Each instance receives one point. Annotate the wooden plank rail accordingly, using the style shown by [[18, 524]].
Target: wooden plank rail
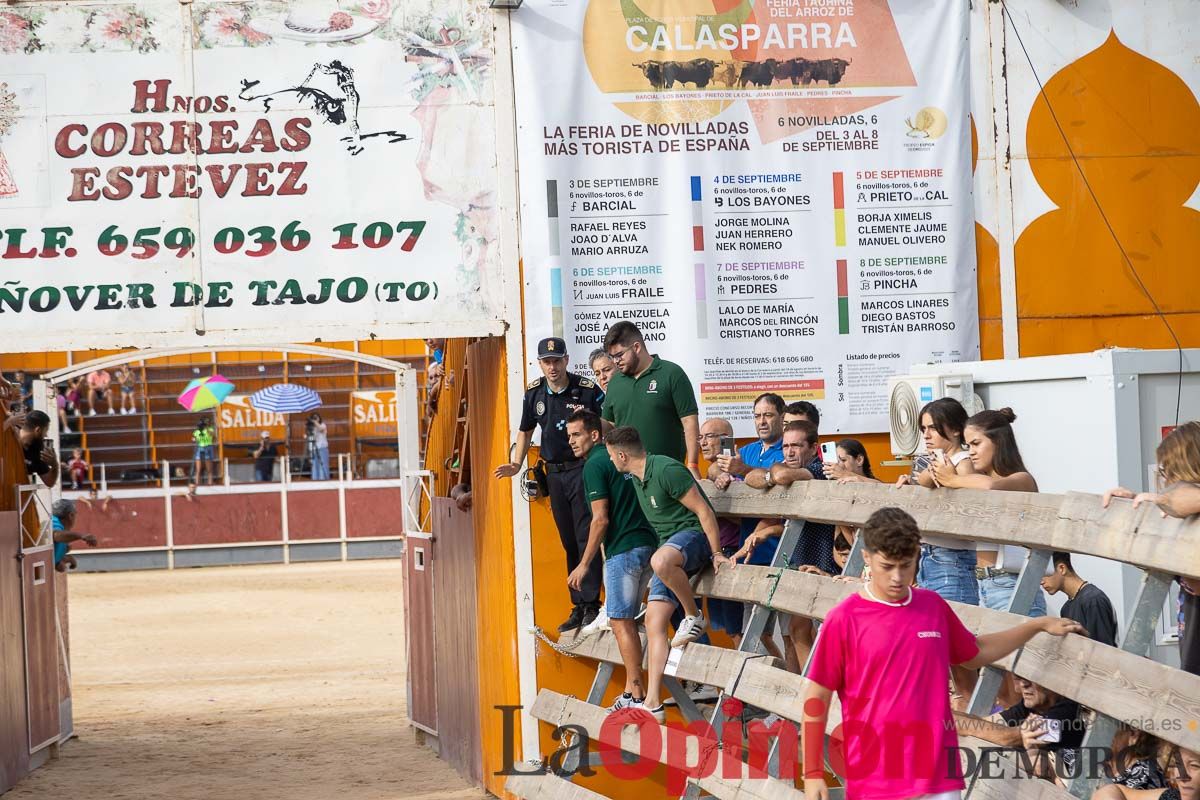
[[1124, 686], [1073, 522], [548, 787], [763, 684], [758, 681], [558, 709], [1117, 683]]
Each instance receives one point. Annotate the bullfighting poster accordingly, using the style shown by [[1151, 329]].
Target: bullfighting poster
[[777, 191]]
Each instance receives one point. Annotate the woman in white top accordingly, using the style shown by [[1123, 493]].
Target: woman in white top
[[319, 432], [997, 463]]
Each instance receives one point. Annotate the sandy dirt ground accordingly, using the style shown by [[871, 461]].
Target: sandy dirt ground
[[252, 683]]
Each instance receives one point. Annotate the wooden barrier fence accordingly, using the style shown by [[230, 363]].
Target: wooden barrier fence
[[1118, 683]]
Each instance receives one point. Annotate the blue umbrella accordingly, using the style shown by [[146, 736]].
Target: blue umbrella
[[285, 398]]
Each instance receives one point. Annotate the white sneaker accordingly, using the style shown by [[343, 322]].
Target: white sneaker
[[66, 429], [91, 412], [659, 714], [600, 623], [691, 629], [110, 411], [625, 700]]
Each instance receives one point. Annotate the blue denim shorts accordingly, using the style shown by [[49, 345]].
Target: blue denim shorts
[[726, 615], [204, 453], [995, 593], [950, 573], [696, 553], [625, 578]]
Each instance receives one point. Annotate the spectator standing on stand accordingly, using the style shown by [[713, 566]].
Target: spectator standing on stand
[[653, 396], [1087, 604], [127, 380], [801, 462], [24, 385], [549, 402], [319, 457], [997, 464], [602, 367], [265, 456], [1179, 496], [802, 410], [619, 524], [202, 438], [40, 459], [762, 454], [688, 539]]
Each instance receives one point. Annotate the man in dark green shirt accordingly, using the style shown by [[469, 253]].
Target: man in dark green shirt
[[629, 541], [652, 395], [688, 539]]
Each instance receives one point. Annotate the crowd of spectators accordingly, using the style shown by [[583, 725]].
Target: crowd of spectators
[[653, 540]]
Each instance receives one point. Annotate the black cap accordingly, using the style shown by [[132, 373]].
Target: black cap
[[552, 348]]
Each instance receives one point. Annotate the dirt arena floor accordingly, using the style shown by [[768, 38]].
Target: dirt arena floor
[[246, 683]]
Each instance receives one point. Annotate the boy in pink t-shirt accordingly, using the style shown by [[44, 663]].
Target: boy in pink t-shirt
[[887, 650]]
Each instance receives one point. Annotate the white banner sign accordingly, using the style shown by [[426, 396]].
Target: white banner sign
[[244, 171], [778, 192]]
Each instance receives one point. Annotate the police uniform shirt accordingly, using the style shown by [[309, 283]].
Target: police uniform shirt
[[551, 409]]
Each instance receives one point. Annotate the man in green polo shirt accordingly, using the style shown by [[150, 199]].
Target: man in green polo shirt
[[652, 395], [688, 539], [629, 541]]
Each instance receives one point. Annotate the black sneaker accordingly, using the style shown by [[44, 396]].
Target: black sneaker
[[574, 621], [589, 615]]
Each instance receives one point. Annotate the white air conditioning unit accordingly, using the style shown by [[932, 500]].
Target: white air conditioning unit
[[908, 394]]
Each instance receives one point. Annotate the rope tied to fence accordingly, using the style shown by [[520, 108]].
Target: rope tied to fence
[[774, 585]]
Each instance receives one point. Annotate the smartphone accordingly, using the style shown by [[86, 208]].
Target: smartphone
[[1053, 730], [829, 453], [728, 445], [938, 456]]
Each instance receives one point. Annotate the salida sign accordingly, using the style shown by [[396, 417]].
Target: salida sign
[[239, 423], [374, 414]]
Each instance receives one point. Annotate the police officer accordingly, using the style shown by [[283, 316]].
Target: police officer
[[549, 400]]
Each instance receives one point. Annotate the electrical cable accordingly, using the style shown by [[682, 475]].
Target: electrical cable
[[1099, 208]]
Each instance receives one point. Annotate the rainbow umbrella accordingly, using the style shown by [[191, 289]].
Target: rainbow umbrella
[[208, 392]]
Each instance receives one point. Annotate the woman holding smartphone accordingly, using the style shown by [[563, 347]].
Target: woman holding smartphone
[[849, 462], [997, 464], [947, 565]]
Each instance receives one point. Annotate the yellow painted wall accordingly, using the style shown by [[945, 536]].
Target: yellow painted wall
[[1134, 127]]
